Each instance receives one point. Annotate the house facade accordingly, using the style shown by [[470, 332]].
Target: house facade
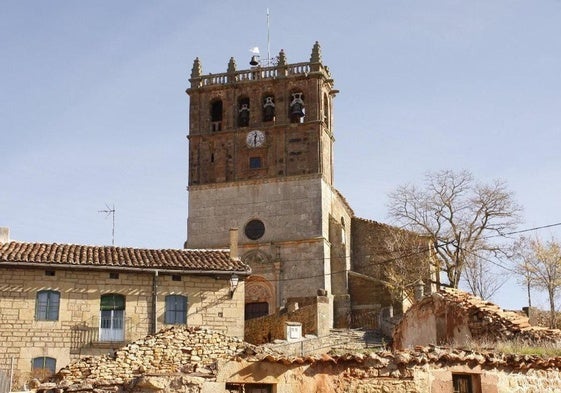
[[60, 302]]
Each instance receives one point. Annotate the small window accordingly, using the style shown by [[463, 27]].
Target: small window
[[113, 276], [255, 229], [176, 277], [326, 110], [255, 162], [462, 383], [47, 305], [258, 388], [44, 363], [176, 310], [249, 388], [50, 273]]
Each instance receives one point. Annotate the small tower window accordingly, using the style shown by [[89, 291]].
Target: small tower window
[[216, 115], [297, 110], [326, 110], [269, 108], [243, 112], [255, 162]]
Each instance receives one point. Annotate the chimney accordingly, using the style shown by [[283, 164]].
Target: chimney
[[4, 235], [234, 243]]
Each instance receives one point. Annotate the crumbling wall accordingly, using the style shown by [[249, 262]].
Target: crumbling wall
[[453, 317], [190, 360], [309, 311]]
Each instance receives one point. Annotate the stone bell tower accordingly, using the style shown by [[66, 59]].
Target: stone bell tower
[[261, 160]]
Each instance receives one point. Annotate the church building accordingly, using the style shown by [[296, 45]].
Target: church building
[[261, 160]]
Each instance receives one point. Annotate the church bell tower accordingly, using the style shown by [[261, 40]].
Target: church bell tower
[[261, 160]]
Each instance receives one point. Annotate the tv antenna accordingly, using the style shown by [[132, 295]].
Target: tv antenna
[[110, 210]]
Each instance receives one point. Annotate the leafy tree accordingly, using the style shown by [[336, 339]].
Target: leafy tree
[[459, 215], [540, 264]]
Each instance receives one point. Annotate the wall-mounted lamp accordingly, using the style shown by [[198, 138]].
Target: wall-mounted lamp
[[234, 280]]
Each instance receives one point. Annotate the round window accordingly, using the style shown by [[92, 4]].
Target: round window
[[254, 229]]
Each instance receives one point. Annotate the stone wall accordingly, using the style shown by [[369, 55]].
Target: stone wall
[[307, 311], [200, 361], [290, 210], [385, 258], [75, 333]]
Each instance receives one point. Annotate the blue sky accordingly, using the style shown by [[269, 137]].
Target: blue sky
[[93, 107]]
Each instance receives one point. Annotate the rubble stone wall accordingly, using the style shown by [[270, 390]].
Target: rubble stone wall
[[273, 327], [453, 317], [197, 360]]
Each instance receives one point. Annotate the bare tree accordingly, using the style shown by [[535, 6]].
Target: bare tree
[[540, 263], [482, 280], [408, 263], [459, 215], [523, 255]]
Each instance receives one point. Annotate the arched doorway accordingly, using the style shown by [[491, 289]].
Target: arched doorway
[[259, 297]]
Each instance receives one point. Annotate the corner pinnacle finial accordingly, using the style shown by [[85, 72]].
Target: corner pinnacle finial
[[197, 70], [231, 65], [316, 54]]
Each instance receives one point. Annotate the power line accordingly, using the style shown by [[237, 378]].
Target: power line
[[529, 229], [421, 250]]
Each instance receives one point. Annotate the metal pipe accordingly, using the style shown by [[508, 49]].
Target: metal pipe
[[154, 325]]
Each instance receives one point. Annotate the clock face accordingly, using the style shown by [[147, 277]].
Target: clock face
[[255, 138]]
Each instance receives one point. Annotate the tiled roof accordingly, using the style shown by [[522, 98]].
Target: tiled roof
[[20, 253]]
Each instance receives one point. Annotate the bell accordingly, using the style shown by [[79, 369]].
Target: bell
[[254, 60], [297, 110]]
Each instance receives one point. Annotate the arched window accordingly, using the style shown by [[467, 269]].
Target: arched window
[[216, 115], [269, 107], [176, 310], [243, 112], [47, 305], [44, 363]]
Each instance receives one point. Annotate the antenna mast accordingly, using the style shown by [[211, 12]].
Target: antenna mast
[[111, 211], [268, 41]]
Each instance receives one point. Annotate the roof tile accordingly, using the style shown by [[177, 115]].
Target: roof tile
[[13, 253]]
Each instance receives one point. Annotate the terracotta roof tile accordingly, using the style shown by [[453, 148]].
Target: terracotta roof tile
[[14, 253]]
